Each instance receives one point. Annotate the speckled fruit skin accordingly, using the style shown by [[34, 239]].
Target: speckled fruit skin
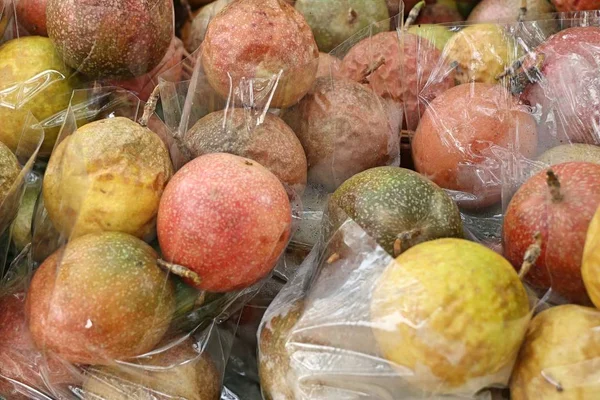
[[31, 14], [571, 152], [482, 52], [563, 226], [9, 171], [590, 264], [272, 143], [107, 176], [169, 69], [19, 359], [84, 32], [258, 39], [411, 83], [276, 377], [225, 217], [576, 5], [183, 372], [470, 308], [101, 297], [389, 201], [453, 138], [567, 95], [335, 21], [561, 347], [44, 71], [438, 35], [344, 129]]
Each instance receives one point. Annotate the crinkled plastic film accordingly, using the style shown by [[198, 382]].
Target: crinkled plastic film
[[467, 123], [557, 79], [189, 344], [360, 138], [326, 334]]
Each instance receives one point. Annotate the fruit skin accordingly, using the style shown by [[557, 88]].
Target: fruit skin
[[389, 201], [590, 264], [99, 298], [335, 21], [84, 34], [32, 15], [439, 12], [21, 230], [465, 296], [567, 96], [482, 52], [169, 69], [508, 10], [329, 66], [410, 82], [561, 347], [19, 359], [471, 116], [237, 203], [571, 152], [277, 379], [438, 35], [562, 224], [9, 171], [344, 129], [576, 5], [258, 39], [107, 176], [185, 371], [271, 143], [196, 32], [43, 70]]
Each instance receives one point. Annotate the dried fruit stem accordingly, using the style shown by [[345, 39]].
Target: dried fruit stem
[[181, 271], [404, 237], [554, 186], [414, 14], [370, 69], [150, 106], [352, 16], [522, 10], [531, 255], [333, 258]]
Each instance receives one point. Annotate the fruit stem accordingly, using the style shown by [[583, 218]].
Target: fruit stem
[[370, 69], [333, 258], [150, 106], [554, 186], [531, 255], [404, 237], [414, 14], [352, 16], [522, 10], [181, 271]]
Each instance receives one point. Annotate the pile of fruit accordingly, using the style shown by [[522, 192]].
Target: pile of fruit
[[299, 199]]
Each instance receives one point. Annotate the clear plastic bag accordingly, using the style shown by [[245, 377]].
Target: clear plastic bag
[[556, 78], [343, 327]]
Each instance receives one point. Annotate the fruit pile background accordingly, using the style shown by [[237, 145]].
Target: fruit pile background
[[299, 199]]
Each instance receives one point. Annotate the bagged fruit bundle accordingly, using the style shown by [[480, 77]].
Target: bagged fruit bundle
[[462, 119], [126, 292], [551, 195], [443, 319]]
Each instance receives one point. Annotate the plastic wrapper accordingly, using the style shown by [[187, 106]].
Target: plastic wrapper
[[355, 129], [557, 79], [330, 334], [168, 338]]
